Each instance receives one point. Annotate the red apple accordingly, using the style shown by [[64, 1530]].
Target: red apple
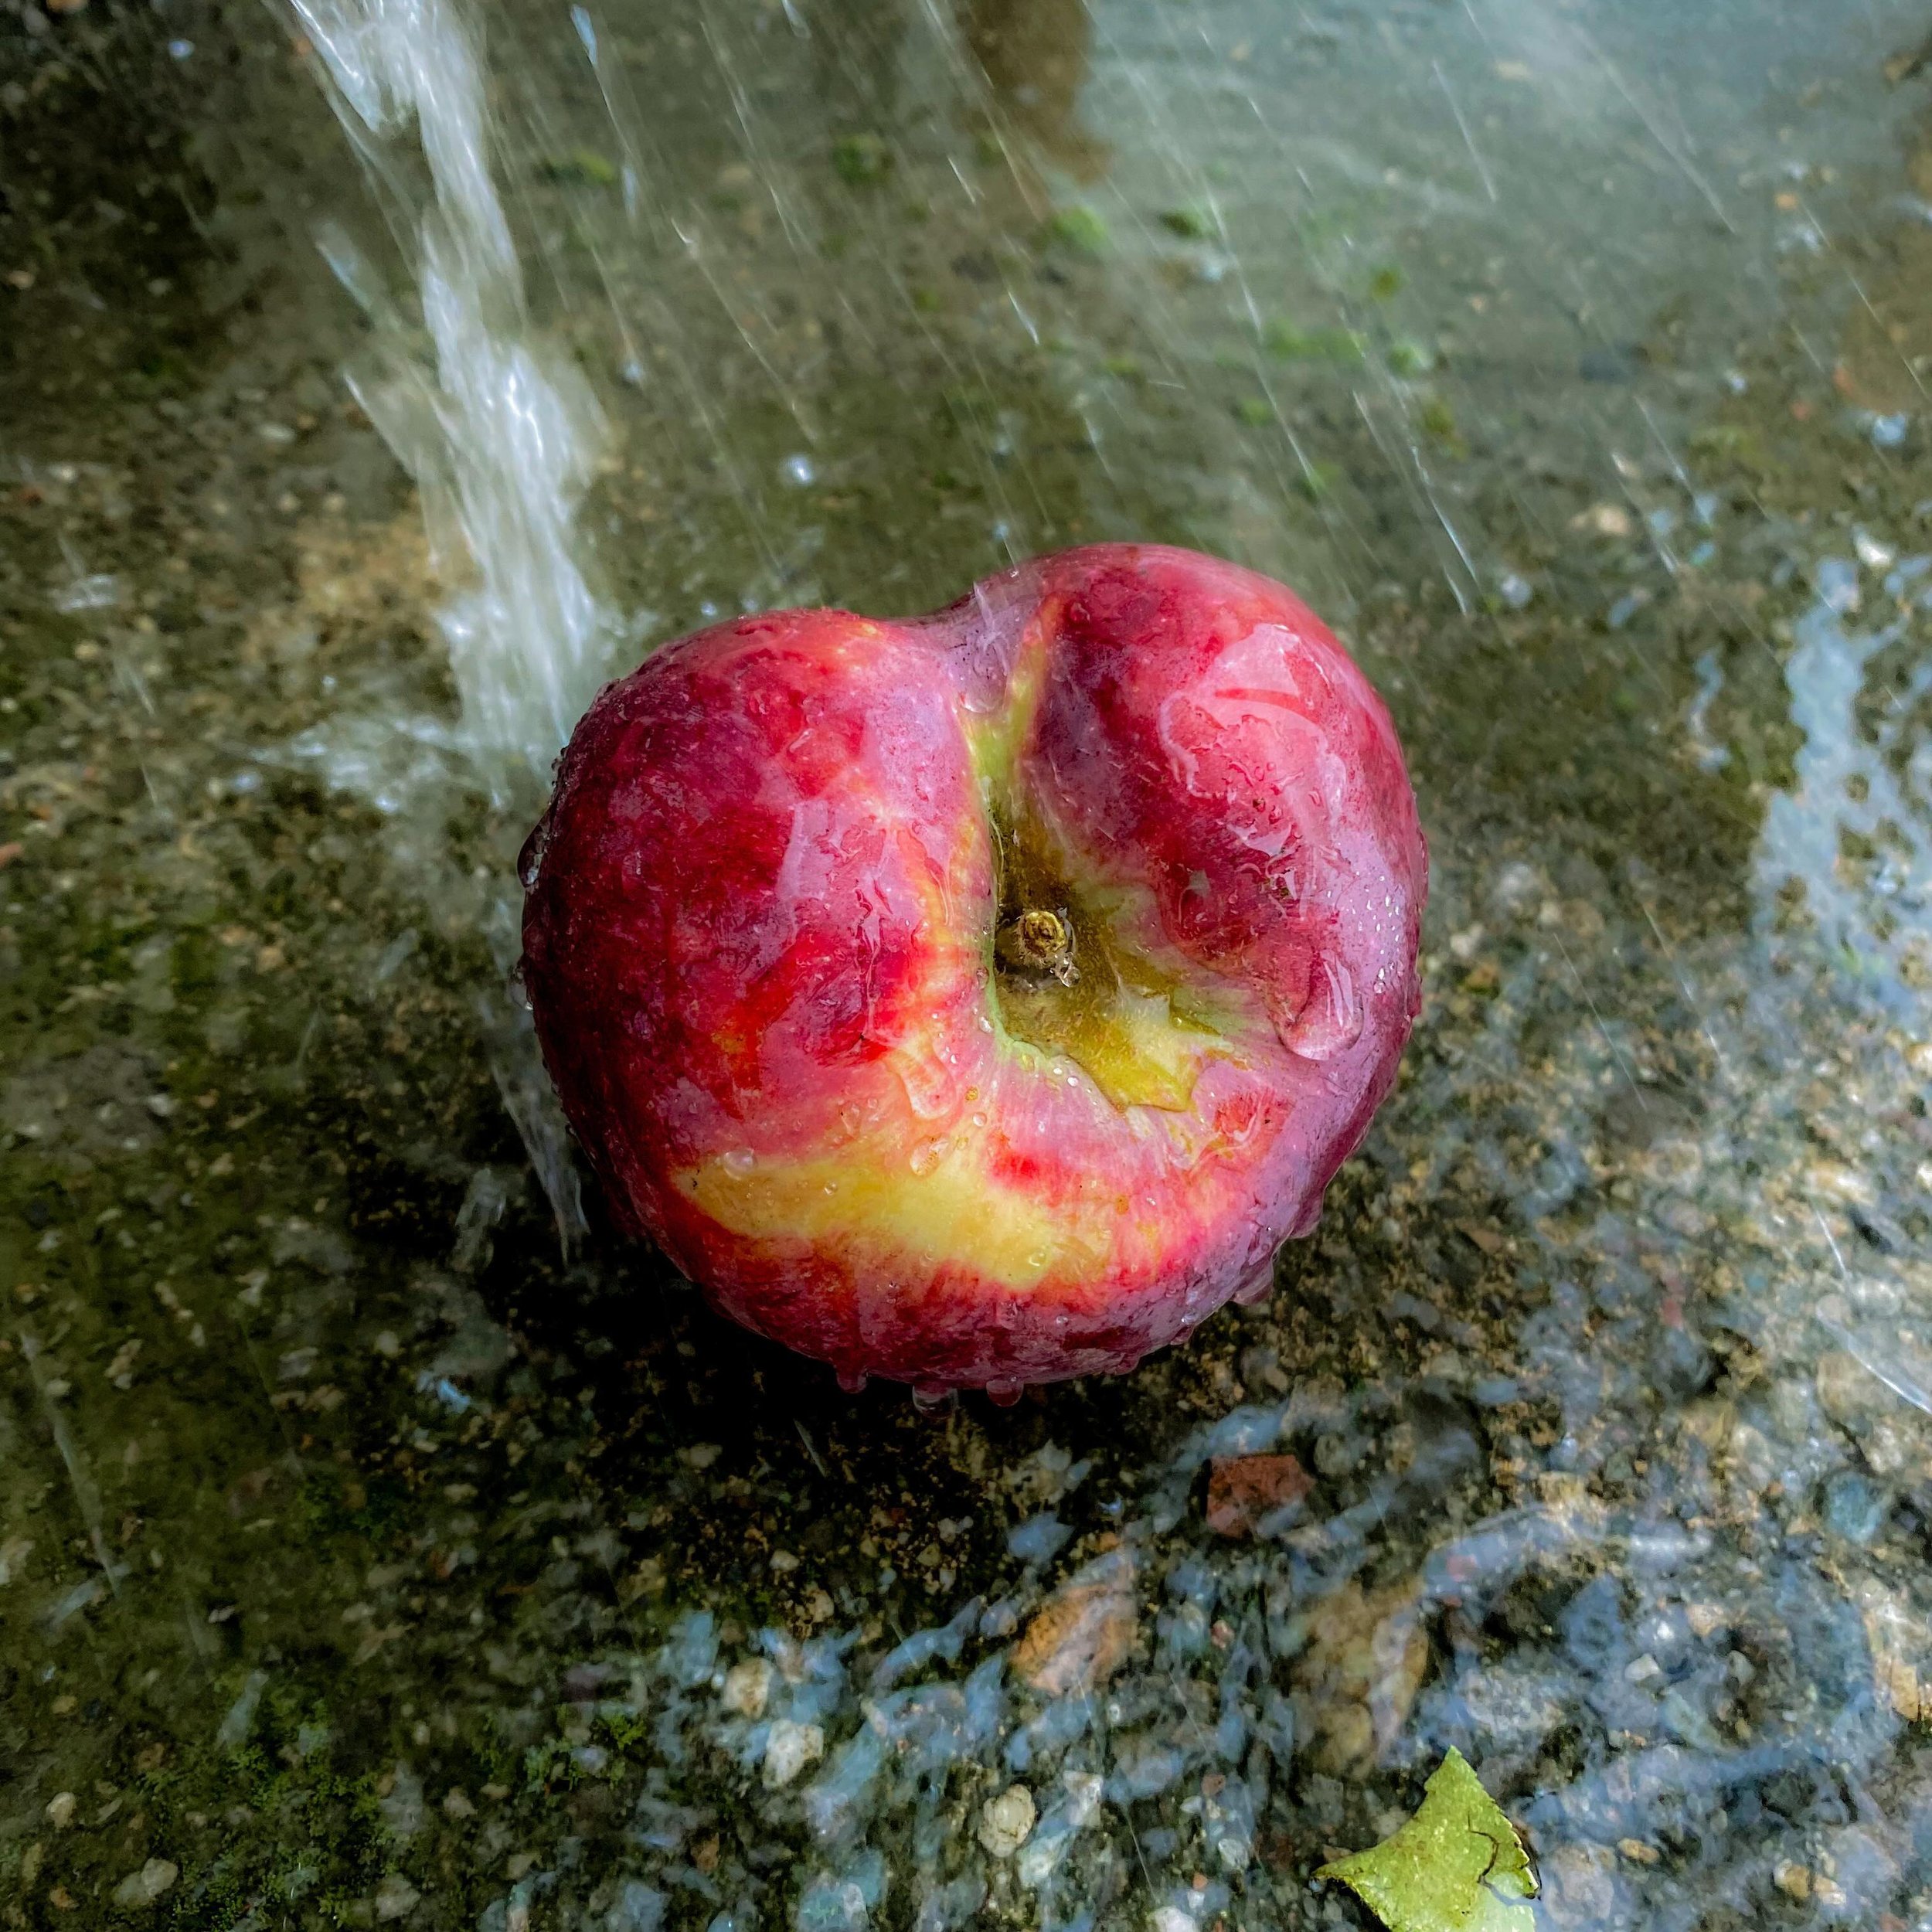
[[978, 999]]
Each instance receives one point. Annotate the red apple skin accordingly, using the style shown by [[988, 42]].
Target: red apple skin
[[759, 950]]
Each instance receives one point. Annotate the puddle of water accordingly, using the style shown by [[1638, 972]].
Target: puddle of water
[[381, 1542]]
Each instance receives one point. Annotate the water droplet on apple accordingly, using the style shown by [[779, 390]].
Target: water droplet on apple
[[850, 1118], [1004, 1394], [1258, 1289], [1330, 1021], [739, 1161], [529, 861], [928, 1084], [927, 1155], [853, 1380], [926, 1399], [979, 1120]]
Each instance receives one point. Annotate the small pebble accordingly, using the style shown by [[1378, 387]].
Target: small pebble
[[148, 1884], [1604, 519], [747, 1687], [396, 1898], [790, 1748], [1006, 1822], [1082, 1633], [1245, 1490], [1854, 1508], [60, 1810]]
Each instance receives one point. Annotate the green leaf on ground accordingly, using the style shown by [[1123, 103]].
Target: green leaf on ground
[[1457, 1865]]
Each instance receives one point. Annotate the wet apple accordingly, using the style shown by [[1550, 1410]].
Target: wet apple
[[980, 999]]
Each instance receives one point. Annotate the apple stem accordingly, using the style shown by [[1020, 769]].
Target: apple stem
[[1039, 941]]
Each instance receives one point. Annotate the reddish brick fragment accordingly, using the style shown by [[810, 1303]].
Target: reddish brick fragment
[[1243, 1490]]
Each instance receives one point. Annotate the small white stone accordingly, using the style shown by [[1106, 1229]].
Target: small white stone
[[147, 1885], [789, 1749], [1604, 519], [396, 1898], [1006, 1822], [747, 1686], [60, 1810]]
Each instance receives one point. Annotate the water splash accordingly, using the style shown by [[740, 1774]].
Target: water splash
[[501, 434], [1866, 785], [502, 437]]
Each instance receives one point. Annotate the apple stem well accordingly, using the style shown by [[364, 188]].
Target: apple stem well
[[1039, 941]]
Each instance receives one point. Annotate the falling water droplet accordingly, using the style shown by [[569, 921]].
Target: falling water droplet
[[587, 32], [851, 1380], [926, 1399], [1004, 1394], [798, 471]]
